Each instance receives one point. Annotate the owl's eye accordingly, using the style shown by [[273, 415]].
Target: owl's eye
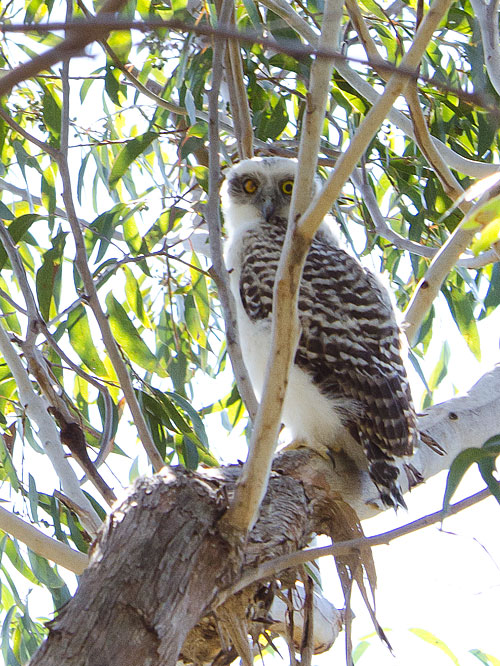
[[250, 185], [287, 186]]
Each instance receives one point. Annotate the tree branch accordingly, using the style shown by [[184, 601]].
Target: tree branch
[[251, 487], [219, 271], [39, 543], [487, 15], [74, 43], [272, 567], [37, 411]]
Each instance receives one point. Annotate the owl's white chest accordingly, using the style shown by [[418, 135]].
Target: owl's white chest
[[307, 413]]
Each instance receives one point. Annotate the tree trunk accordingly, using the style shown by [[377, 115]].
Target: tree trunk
[[158, 564]]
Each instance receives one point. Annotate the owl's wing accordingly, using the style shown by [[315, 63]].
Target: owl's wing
[[350, 346]]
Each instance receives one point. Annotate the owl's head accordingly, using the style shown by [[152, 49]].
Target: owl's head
[[257, 190]]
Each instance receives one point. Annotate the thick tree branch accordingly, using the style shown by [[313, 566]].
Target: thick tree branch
[[41, 544], [285, 330], [161, 565]]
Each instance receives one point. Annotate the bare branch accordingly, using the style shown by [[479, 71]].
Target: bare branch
[[296, 22], [37, 410], [239, 104], [252, 484], [453, 159], [487, 15], [271, 567], [366, 131], [41, 544], [219, 271], [105, 24], [44, 147], [72, 45], [92, 300], [429, 286]]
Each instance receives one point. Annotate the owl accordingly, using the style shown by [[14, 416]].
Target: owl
[[347, 390]]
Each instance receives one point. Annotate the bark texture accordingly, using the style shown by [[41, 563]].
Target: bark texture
[[158, 565]]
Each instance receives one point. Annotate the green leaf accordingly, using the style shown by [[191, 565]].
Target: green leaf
[[189, 453], [200, 290], [121, 43], [134, 297], [129, 339], [5, 213], [128, 154], [17, 229], [198, 426], [489, 451], [492, 298], [52, 113], [33, 498], [433, 640], [10, 318], [46, 276], [359, 651], [193, 321], [441, 369], [486, 659], [12, 552], [43, 571], [81, 340], [461, 306], [7, 464]]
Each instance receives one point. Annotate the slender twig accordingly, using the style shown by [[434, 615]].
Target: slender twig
[[44, 147], [245, 134], [426, 144], [92, 300], [453, 159], [293, 560], [219, 272], [25, 196], [73, 44], [41, 544], [102, 25], [39, 369], [368, 128], [462, 164]]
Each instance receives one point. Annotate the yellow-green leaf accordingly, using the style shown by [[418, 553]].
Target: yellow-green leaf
[[128, 154], [80, 338], [129, 339]]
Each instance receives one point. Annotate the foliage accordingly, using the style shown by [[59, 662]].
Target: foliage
[[138, 161]]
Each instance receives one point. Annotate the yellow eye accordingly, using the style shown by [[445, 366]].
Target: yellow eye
[[287, 186], [250, 185]]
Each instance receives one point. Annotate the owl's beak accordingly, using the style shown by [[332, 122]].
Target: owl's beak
[[268, 207]]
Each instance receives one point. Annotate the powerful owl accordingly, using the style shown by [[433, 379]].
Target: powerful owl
[[348, 388]]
